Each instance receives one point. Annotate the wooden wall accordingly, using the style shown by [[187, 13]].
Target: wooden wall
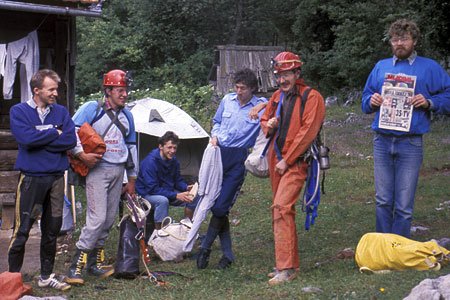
[[57, 42], [232, 58]]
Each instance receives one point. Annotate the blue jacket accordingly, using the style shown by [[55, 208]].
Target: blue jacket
[[160, 177], [42, 151], [432, 82]]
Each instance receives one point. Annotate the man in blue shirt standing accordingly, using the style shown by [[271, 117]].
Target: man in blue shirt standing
[[234, 131], [44, 132], [159, 180], [398, 151]]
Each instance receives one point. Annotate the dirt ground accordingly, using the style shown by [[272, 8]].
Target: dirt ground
[[31, 264]]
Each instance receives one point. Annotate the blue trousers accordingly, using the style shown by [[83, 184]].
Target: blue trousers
[[397, 162], [233, 176], [161, 205]]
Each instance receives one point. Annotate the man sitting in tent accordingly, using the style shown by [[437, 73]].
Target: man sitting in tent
[[159, 180]]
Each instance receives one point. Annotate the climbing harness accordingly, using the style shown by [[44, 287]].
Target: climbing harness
[[140, 208]]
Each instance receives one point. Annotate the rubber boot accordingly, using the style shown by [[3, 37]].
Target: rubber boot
[[215, 225], [95, 264], [203, 258], [78, 263], [226, 245]]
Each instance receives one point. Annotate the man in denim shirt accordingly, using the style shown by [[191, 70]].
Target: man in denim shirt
[[234, 131]]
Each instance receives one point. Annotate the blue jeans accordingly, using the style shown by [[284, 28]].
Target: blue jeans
[[397, 162], [161, 205]]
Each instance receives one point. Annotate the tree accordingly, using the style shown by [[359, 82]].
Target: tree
[[341, 40], [173, 41]]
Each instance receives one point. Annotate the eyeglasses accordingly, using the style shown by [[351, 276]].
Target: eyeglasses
[[397, 40], [120, 90], [284, 75]]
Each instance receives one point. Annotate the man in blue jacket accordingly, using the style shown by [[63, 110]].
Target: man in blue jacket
[[159, 180], [44, 132], [398, 151]]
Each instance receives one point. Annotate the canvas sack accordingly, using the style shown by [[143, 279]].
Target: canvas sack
[[387, 251], [169, 240], [255, 164], [12, 286], [92, 143]]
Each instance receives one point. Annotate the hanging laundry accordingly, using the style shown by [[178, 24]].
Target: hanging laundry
[[2, 59], [26, 52]]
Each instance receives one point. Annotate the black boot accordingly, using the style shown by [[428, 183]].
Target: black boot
[[224, 263], [203, 258], [95, 264], [226, 245], [78, 263], [214, 227]]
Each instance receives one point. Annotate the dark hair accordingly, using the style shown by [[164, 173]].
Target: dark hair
[[404, 26], [38, 78], [168, 136], [247, 77]]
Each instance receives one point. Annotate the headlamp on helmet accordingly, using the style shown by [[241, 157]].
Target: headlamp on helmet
[[286, 61]]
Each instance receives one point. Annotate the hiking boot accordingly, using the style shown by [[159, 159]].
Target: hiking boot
[[224, 263], [95, 264], [203, 258], [53, 282], [273, 273], [283, 276], [78, 263]]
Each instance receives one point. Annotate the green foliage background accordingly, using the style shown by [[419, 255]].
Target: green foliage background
[[172, 41]]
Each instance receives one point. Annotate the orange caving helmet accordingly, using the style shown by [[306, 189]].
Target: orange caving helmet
[[286, 61], [115, 78]]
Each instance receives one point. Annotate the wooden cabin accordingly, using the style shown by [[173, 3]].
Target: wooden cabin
[[231, 58], [33, 34]]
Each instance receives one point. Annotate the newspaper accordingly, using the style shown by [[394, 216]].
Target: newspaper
[[396, 109]]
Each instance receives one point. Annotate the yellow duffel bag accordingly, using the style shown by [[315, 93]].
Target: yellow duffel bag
[[386, 251]]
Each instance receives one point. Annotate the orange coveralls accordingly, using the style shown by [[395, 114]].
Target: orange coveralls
[[286, 188]]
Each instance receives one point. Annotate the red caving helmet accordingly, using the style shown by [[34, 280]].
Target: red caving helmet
[[115, 78], [286, 61]]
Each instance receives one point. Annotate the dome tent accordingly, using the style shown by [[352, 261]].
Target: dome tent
[[154, 117]]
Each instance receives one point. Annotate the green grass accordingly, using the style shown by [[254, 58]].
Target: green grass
[[347, 211]]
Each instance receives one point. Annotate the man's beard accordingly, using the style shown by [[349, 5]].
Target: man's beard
[[403, 53]]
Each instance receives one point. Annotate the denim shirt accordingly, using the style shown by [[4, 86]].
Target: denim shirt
[[231, 124]]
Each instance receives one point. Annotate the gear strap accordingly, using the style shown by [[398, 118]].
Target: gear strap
[[140, 224]]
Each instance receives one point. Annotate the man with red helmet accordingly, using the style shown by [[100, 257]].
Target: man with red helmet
[[104, 180], [293, 133]]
